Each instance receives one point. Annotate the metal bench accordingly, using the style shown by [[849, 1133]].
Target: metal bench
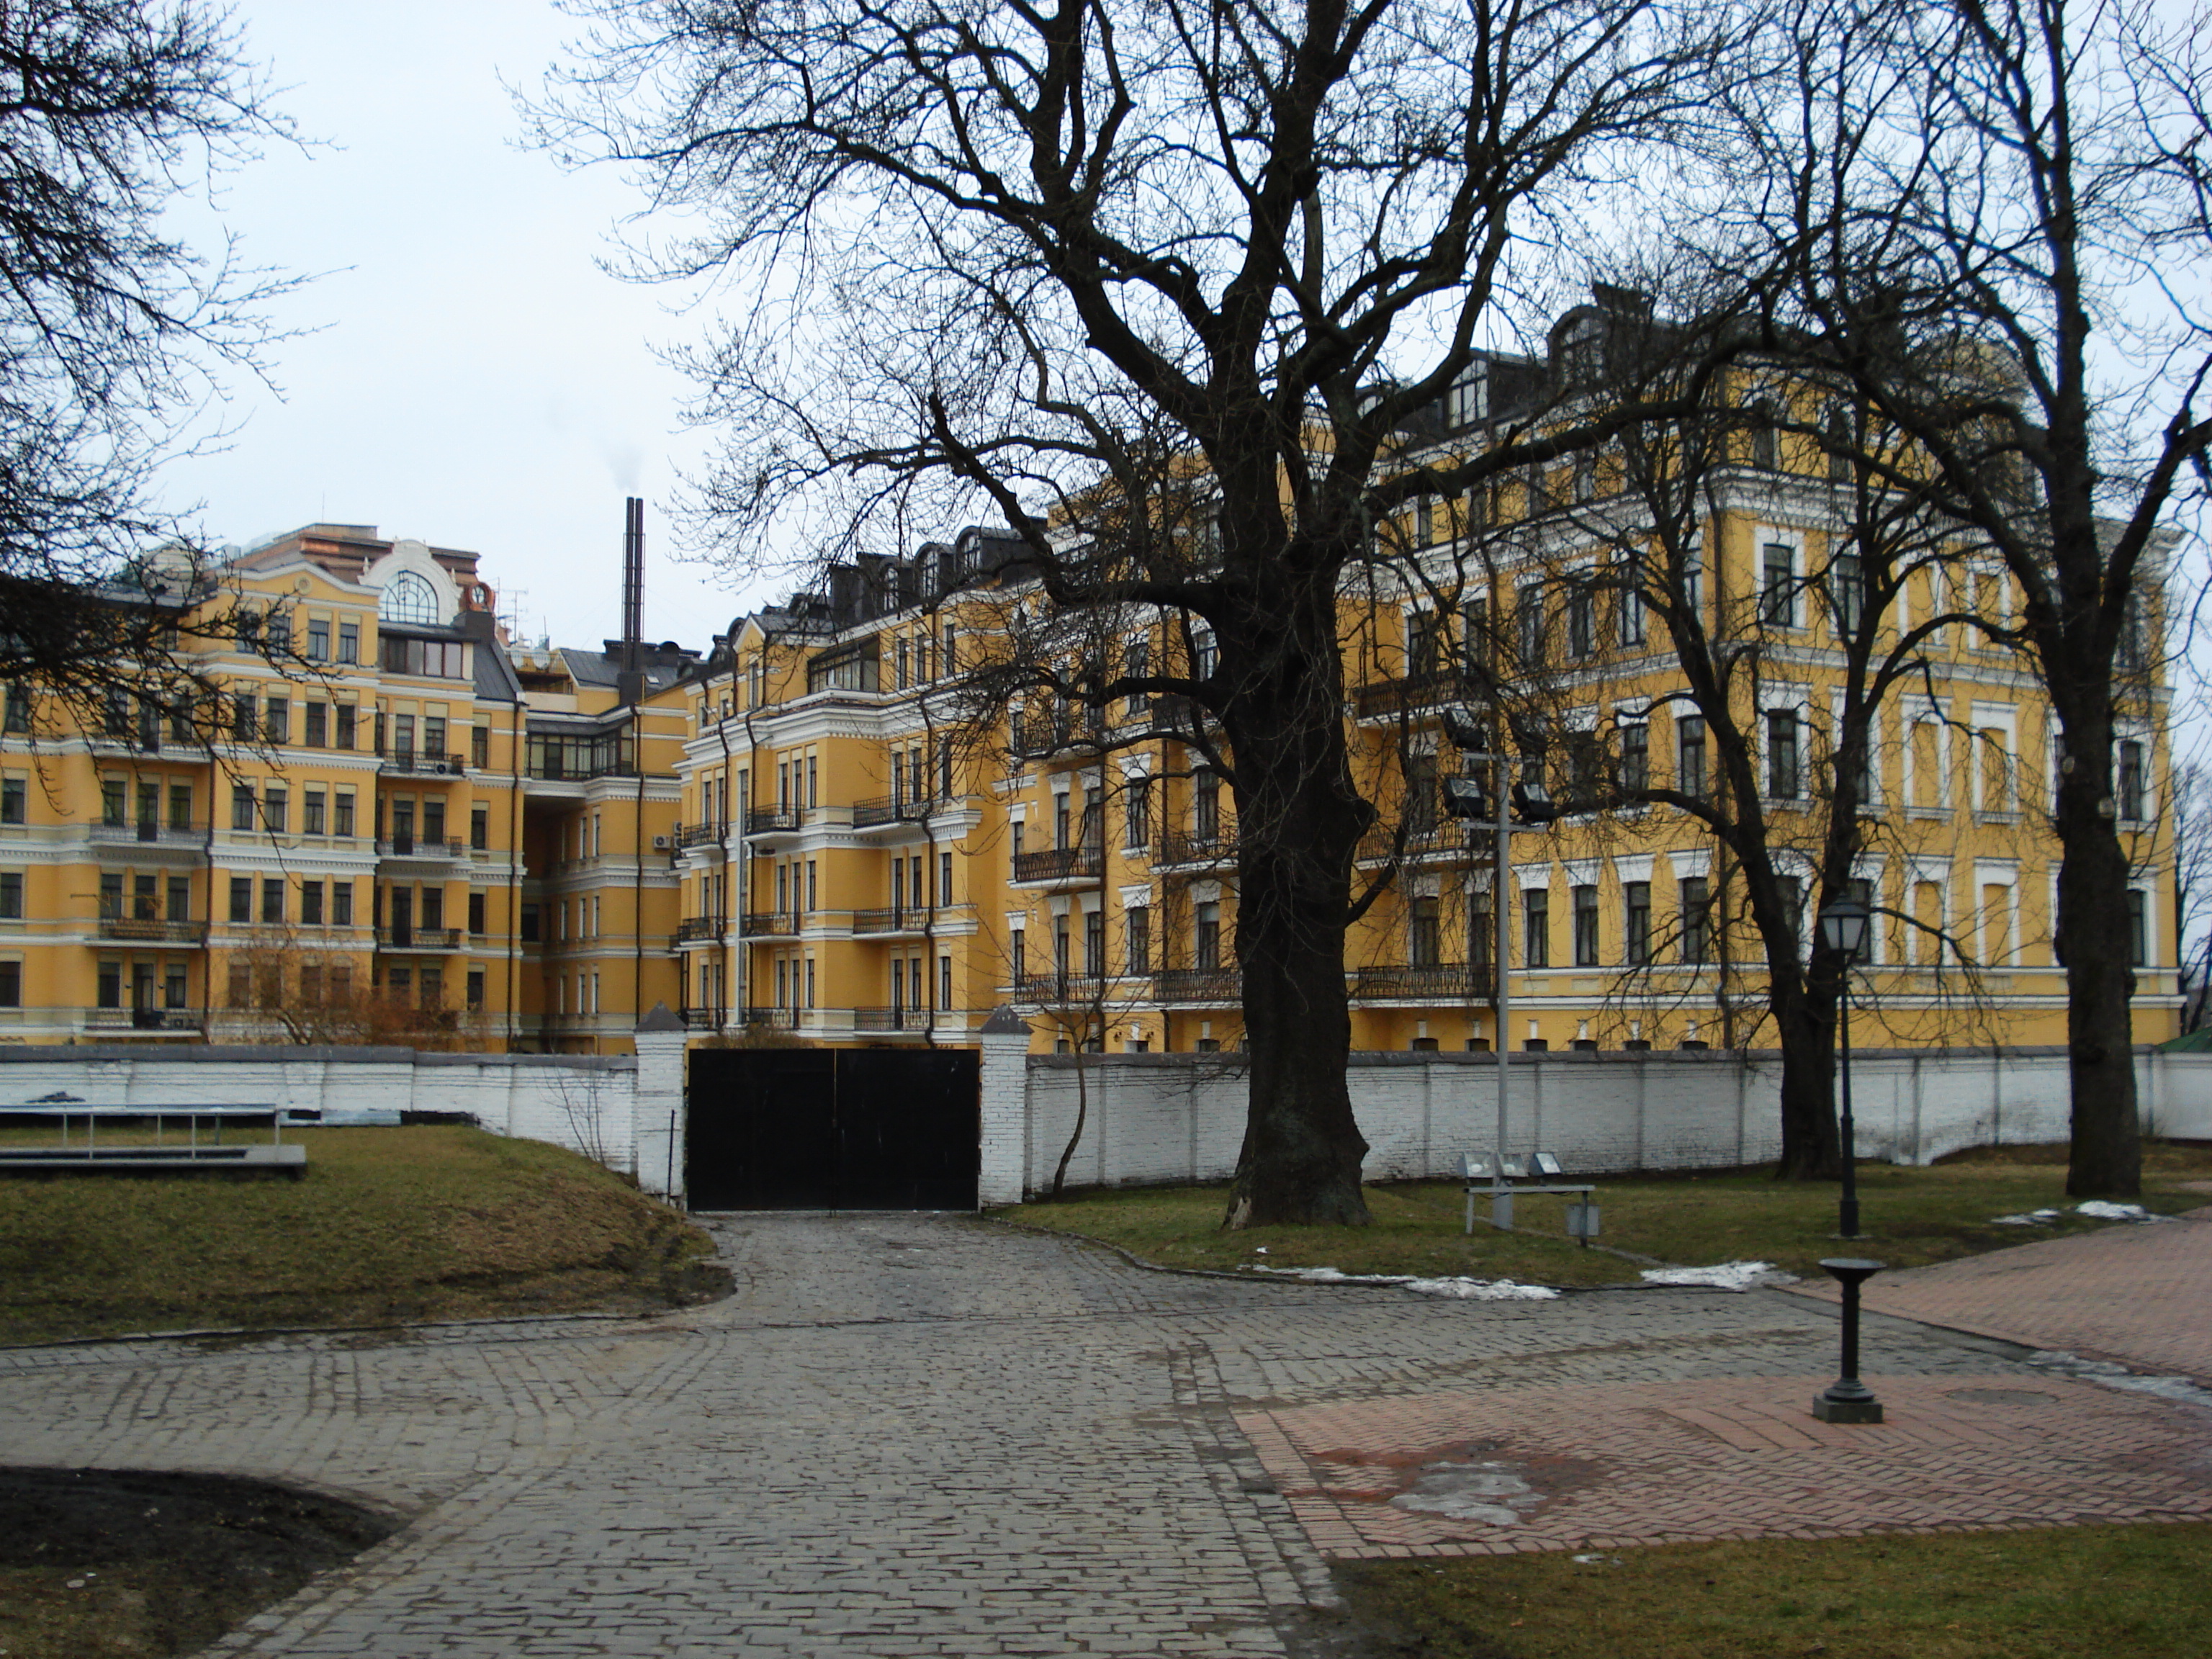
[[1485, 1174]]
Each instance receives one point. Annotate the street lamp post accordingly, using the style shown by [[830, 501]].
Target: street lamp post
[[1844, 931]]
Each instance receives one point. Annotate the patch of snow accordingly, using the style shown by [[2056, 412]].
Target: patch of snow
[[1469, 1290], [1483, 1290], [2029, 1219], [2098, 1210], [1488, 1493], [1596, 1560], [2114, 1375], [1727, 1276]]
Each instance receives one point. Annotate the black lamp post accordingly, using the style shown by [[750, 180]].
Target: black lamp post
[[1844, 931]]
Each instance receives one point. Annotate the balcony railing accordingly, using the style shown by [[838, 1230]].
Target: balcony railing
[[1188, 847], [1050, 989], [416, 847], [1059, 863], [700, 835], [145, 931], [1034, 736], [769, 924], [420, 763], [418, 939], [1456, 981], [890, 1019], [1199, 985], [706, 1019], [762, 820], [772, 1019], [907, 920], [1429, 690], [144, 1019], [891, 808], [694, 928], [151, 835]]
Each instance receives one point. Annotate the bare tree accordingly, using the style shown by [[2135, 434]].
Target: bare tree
[[1993, 218], [114, 336], [1132, 275]]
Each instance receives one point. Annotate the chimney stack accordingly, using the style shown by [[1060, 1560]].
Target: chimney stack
[[630, 685]]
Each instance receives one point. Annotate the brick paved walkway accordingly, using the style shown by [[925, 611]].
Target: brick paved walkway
[[913, 1435], [2141, 1295]]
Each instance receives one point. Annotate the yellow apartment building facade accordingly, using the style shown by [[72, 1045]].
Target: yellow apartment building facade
[[399, 827], [867, 857]]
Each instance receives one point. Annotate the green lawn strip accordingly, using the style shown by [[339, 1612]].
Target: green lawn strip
[[2044, 1594], [1911, 1217], [389, 1223]]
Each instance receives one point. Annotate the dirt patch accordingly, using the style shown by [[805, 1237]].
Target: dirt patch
[[103, 1561]]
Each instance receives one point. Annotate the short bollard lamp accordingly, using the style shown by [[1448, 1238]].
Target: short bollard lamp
[[1847, 1399], [1844, 930]]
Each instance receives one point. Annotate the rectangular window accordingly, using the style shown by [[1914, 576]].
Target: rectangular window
[[476, 989], [241, 898], [2138, 927], [1137, 812], [275, 809], [314, 810], [272, 898], [1582, 618], [2130, 790], [318, 724], [480, 827], [433, 909], [476, 912], [1690, 756], [109, 983], [181, 898], [1696, 920], [1205, 803], [245, 716], [318, 639], [310, 903], [347, 714], [1136, 664], [1784, 775], [115, 802], [11, 894], [15, 800], [1528, 612], [439, 660], [433, 734], [11, 984], [1777, 587], [1585, 900], [18, 717], [1094, 944], [1629, 604], [1847, 593], [1137, 925], [1636, 922], [181, 806], [1425, 931], [1635, 756], [342, 813], [241, 807], [945, 877], [531, 927], [945, 981], [277, 720], [480, 746], [1205, 939], [1536, 926], [341, 904], [1018, 954]]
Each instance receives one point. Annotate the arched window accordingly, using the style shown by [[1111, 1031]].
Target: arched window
[[409, 598]]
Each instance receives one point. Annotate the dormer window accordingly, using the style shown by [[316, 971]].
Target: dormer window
[[409, 598]]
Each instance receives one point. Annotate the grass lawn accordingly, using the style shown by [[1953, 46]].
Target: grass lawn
[[2067, 1593], [1911, 1217], [389, 1226]]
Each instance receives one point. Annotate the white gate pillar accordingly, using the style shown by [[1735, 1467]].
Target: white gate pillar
[[1004, 1169], [657, 1108]]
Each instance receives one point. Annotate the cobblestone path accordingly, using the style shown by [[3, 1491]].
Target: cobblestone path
[[911, 1435]]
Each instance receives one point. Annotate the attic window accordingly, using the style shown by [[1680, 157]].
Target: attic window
[[409, 598]]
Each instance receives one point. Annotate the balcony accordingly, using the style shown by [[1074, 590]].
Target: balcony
[[151, 835], [770, 820], [891, 1020], [1442, 981], [706, 1019], [418, 939], [1033, 737], [420, 763], [907, 921], [171, 1020], [769, 924], [1409, 694], [144, 930], [1062, 990], [892, 808], [1199, 986], [700, 835], [413, 847], [692, 929], [771, 1019], [1208, 848], [1060, 864]]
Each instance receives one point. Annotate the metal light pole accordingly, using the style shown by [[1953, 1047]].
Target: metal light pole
[[1844, 931]]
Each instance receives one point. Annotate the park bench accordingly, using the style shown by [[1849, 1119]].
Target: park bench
[[1495, 1175]]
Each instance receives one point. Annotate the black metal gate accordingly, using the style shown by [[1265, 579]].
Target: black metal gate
[[833, 1129]]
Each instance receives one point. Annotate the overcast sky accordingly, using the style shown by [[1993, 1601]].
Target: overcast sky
[[477, 382]]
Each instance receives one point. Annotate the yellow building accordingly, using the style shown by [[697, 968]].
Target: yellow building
[[866, 857], [398, 829]]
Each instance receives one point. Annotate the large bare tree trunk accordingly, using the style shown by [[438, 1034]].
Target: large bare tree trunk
[[1299, 824], [2094, 937], [1812, 1145]]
